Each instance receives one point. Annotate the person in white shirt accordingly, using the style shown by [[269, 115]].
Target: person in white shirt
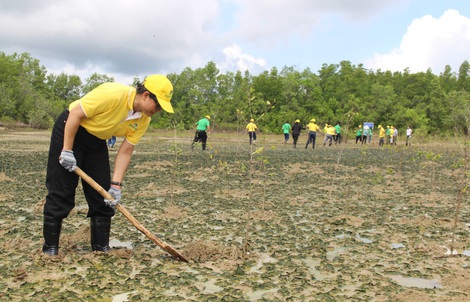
[[409, 131]]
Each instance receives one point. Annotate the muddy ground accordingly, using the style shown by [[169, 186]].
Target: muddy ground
[[261, 223]]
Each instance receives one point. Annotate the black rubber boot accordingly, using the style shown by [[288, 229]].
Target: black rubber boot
[[99, 229], [51, 233]]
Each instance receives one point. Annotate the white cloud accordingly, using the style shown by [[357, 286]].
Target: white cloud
[[273, 22], [126, 38], [429, 43], [235, 59], [121, 36]]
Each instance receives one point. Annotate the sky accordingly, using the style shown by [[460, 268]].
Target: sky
[[133, 38]]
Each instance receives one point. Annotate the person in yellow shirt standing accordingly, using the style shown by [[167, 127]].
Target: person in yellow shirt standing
[[78, 139], [327, 135], [330, 132], [251, 128], [312, 129], [381, 135]]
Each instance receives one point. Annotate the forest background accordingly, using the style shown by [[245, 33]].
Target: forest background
[[431, 104]]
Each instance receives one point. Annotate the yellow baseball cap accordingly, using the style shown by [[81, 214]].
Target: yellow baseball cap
[[207, 117], [313, 120], [162, 88], [297, 121], [252, 120]]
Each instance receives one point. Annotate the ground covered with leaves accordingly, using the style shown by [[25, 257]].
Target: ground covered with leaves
[[265, 222]]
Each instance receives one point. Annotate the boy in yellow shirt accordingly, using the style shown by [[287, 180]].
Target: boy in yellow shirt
[[312, 129], [381, 135], [251, 128], [330, 131]]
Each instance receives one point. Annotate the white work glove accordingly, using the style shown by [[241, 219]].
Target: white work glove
[[116, 194], [67, 160]]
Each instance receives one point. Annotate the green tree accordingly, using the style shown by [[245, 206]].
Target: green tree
[[458, 118], [463, 81], [448, 80], [65, 87], [7, 103], [94, 81]]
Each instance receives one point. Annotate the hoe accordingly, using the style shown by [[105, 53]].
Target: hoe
[[166, 247]]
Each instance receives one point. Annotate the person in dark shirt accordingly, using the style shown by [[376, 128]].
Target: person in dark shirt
[[296, 128]]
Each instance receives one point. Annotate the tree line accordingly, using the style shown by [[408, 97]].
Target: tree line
[[344, 92]]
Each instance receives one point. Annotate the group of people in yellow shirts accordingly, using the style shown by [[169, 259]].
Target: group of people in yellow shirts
[[332, 133], [390, 135]]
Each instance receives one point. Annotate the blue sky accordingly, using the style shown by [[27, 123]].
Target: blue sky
[[337, 37], [124, 38]]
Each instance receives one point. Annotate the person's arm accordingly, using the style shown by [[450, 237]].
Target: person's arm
[[76, 115], [208, 129], [123, 158]]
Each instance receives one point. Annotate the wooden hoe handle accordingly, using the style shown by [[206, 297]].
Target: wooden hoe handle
[[168, 248]]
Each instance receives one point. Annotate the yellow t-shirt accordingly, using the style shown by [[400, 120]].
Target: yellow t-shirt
[[382, 132], [251, 127], [392, 131], [331, 130], [313, 127], [109, 111]]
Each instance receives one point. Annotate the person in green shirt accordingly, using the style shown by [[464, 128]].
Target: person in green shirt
[[387, 135], [338, 133], [365, 134], [359, 134], [203, 127], [286, 128]]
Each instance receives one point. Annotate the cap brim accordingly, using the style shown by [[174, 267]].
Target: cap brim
[[166, 106]]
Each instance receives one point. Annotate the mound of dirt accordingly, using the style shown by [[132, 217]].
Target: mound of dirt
[[69, 242], [260, 215], [174, 212], [4, 177], [206, 250], [121, 253]]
